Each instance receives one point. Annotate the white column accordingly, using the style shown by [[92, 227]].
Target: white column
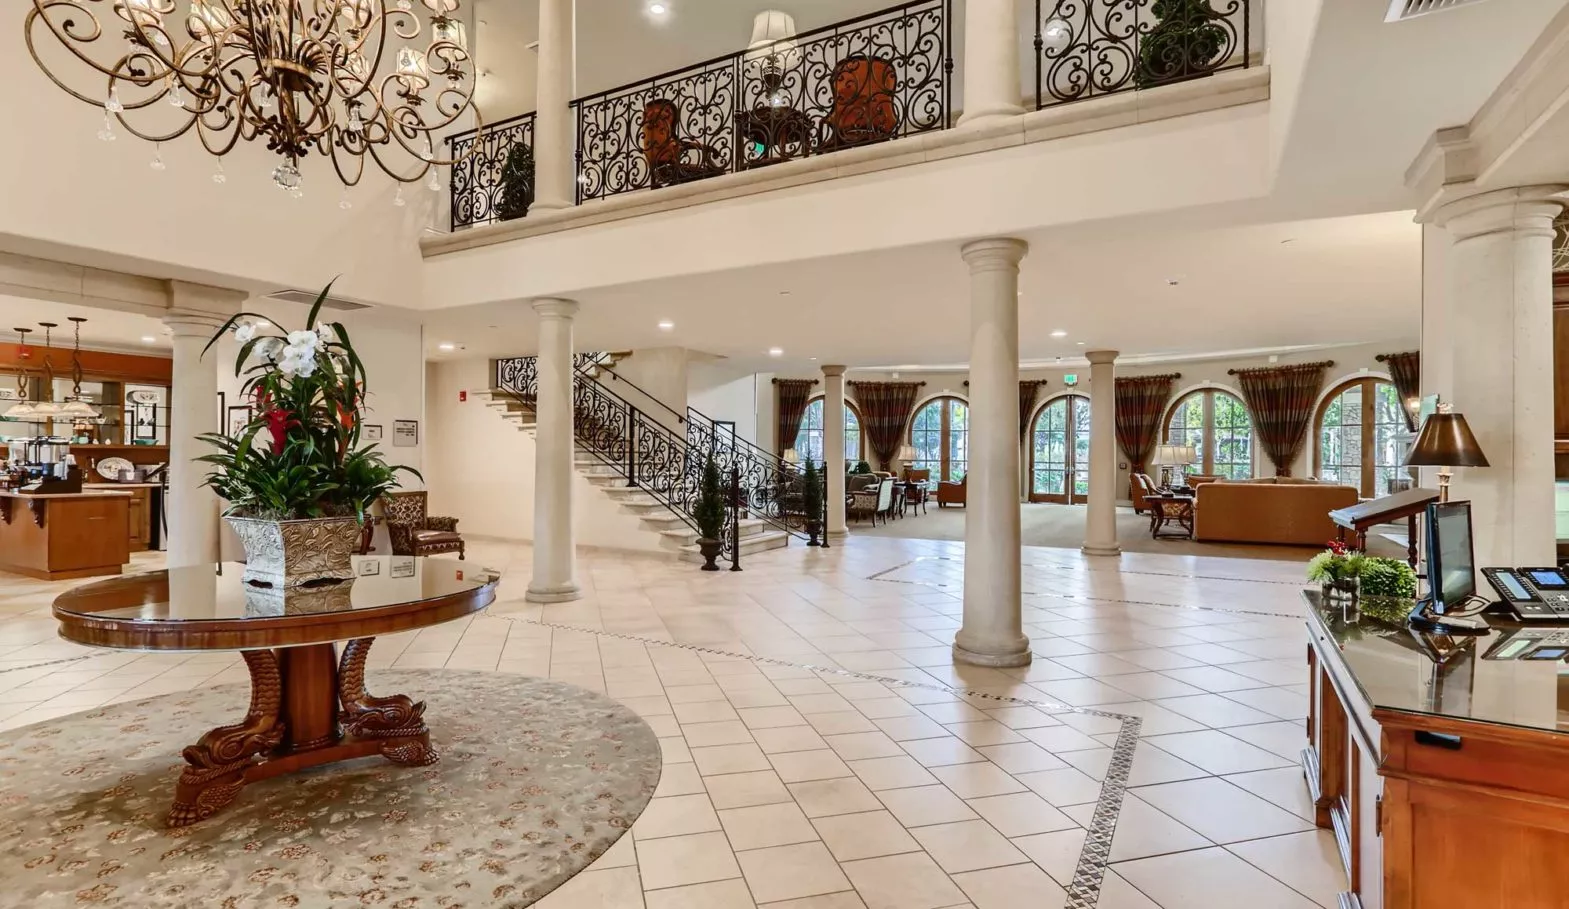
[[195, 313], [1100, 523], [555, 169], [555, 554], [833, 448], [1499, 315], [991, 62], [993, 633]]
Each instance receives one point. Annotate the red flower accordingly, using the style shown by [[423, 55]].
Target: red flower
[[279, 422]]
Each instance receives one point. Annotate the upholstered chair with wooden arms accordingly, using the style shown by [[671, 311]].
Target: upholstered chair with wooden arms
[[864, 109], [1141, 485], [666, 150], [414, 532], [953, 493]]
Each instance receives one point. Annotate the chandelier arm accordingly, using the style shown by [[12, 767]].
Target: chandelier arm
[[337, 165], [203, 129]]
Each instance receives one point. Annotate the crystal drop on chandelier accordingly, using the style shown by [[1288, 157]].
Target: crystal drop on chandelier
[[113, 105], [157, 159], [107, 133], [435, 181], [397, 199], [343, 201], [176, 99], [356, 125], [219, 176], [287, 176], [405, 5]]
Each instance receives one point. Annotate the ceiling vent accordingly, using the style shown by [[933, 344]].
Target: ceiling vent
[[307, 298], [1400, 10]]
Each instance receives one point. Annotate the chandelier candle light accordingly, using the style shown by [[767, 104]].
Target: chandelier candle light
[[346, 79]]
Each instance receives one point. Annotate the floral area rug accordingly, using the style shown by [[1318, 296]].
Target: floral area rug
[[536, 780]]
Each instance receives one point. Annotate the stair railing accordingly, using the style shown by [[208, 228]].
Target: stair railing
[[769, 485]]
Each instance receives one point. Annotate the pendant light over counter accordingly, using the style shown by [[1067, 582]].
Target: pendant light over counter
[[76, 407], [24, 409]]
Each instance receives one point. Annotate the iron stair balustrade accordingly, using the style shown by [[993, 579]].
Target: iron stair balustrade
[[476, 187], [1088, 48], [876, 77]]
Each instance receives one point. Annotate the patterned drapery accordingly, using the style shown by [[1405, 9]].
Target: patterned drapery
[[1027, 392], [1141, 402], [885, 411], [793, 395], [1282, 399], [1406, 371]]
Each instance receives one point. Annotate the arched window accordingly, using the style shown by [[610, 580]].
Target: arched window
[[1217, 424], [1356, 431], [940, 435], [1060, 451], [809, 440]]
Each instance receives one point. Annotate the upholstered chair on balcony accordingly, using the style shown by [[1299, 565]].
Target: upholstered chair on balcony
[[864, 109], [666, 151], [953, 493], [415, 533]]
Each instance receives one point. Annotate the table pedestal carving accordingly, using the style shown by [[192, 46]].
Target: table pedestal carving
[[306, 709]]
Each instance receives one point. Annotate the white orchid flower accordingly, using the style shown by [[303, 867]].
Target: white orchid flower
[[325, 332], [307, 340], [244, 332], [269, 348]]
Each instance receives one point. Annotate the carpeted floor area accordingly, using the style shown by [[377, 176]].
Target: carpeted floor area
[[1063, 526]]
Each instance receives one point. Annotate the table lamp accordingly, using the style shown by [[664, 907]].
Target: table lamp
[[1445, 441], [1170, 458], [772, 50], [792, 456]]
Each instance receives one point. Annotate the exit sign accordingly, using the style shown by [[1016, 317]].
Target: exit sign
[[1071, 379]]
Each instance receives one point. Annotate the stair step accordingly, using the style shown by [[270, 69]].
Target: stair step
[[681, 535], [762, 542]]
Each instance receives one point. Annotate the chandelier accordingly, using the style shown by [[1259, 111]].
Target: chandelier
[[346, 79]]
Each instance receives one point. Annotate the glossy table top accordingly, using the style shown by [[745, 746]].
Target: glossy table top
[[1514, 675], [211, 607]]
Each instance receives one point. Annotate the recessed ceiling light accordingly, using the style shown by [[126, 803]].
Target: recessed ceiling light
[[1173, 282], [658, 9], [1059, 333], [1081, 343], [447, 345], [666, 325], [776, 351], [149, 339]]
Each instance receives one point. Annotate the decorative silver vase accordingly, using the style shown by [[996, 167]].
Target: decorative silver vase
[[291, 553]]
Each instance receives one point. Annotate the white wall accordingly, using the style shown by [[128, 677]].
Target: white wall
[[726, 394], [480, 469]]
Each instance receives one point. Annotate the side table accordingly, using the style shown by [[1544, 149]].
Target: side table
[[1167, 509], [772, 134]]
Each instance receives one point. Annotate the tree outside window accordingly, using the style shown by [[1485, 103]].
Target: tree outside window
[[1219, 428], [940, 435], [809, 440], [1358, 433]]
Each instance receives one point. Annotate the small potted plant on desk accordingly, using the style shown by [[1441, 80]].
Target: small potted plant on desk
[[1387, 590], [710, 514], [297, 481], [812, 503], [1338, 569]]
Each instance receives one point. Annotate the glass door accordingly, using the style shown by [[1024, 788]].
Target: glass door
[[1060, 452]]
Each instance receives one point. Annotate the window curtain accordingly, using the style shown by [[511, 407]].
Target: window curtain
[[1406, 371], [1141, 402], [793, 395], [1282, 400], [1027, 393], [885, 411]]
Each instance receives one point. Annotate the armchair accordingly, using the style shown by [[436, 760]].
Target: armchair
[[952, 493], [873, 500], [1141, 485], [666, 151], [413, 532], [863, 109]]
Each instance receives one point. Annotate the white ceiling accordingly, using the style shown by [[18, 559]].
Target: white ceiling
[[1321, 282], [105, 329]]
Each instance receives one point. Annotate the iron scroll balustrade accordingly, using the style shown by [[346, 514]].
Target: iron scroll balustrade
[[520, 375], [476, 179], [869, 79], [770, 488], [1088, 48]]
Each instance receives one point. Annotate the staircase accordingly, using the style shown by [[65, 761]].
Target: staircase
[[674, 530]]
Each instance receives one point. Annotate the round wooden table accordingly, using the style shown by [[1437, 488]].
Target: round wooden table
[[307, 707]]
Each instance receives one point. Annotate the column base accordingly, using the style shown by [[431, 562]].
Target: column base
[[837, 534], [988, 115], [551, 205], [560, 593], [1102, 551], [993, 660]]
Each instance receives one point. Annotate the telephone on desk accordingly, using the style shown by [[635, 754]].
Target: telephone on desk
[[1531, 594]]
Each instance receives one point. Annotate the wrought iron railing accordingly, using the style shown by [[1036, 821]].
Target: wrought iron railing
[[770, 487], [865, 80], [520, 375], [1088, 48], [477, 190]]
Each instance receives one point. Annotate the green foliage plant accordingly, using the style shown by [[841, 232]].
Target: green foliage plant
[[812, 492], [1337, 563], [1390, 578], [710, 512], [517, 183]]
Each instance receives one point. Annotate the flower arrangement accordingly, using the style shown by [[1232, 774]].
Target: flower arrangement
[[300, 455], [1338, 563]]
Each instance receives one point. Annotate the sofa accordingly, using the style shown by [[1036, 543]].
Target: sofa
[[1278, 510]]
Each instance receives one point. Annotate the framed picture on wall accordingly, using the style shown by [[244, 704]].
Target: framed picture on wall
[[239, 417], [405, 433], [372, 433], [145, 419]]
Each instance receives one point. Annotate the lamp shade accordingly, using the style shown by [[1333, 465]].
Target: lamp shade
[[1174, 455], [769, 26], [907, 453], [1446, 441], [792, 456]]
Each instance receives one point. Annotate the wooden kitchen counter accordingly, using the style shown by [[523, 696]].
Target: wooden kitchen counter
[[146, 511], [70, 535]]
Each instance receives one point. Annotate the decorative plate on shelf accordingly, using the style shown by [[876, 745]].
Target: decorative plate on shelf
[[145, 396], [109, 468]]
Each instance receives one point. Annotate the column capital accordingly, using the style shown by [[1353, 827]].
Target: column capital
[[187, 323], [1102, 357], [994, 253], [1520, 208], [555, 308], [834, 371]]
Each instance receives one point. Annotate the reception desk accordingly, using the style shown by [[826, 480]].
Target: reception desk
[[57, 537], [1440, 763]]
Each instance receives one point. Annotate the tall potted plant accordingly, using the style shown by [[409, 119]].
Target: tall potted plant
[[517, 182], [710, 514], [296, 478], [812, 502], [1183, 44]]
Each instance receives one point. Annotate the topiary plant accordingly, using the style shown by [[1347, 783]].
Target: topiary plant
[[861, 467], [1389, 578], [517, 183], [1183, 44], [710, 510]]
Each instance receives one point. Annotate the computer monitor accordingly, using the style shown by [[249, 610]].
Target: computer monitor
[[1451, 565]]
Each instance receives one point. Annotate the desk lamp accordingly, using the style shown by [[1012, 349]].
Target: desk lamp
[[1445, 442]]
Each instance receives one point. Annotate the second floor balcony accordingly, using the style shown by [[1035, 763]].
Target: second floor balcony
[[871, 79]]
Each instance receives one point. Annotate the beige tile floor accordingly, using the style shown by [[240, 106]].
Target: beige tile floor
[[823, 752]]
